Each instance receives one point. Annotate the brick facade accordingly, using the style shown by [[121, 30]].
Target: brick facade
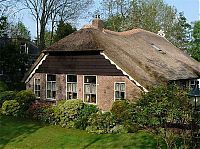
[[105, 88]]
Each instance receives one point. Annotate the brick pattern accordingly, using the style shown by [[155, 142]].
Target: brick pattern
[[105, 88]]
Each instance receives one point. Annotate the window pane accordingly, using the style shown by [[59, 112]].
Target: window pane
[[69, 87], [122, 95], [69, 95], [93, 98], [51, 77], [74, 87], [54, 94], [74, 95], [117, 94], [48, 85], [90, 79], [48, 94], [93, 89], [87, 98], [87, 88], [122, 87], [71, 78], [53, 86], [117, 86]]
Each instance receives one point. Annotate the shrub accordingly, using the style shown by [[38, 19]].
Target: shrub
[[7, 95], [40, 111], [65, 113], [3, 86], [119, 129], [25, 98], [85, 112], [10, 107], [122, 111], [101, 122]]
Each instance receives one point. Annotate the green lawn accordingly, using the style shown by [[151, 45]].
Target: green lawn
[[15, 133]]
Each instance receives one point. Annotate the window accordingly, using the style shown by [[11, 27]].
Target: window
[[71, 86], [119, 91], [157, 48], [51, 86], [193, 83], [90, 89], [37, 87]]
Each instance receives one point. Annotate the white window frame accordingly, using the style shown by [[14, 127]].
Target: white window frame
[[116, 90], [84, 89], [35, 88], [51, 84], [71, 83], [194, 83]]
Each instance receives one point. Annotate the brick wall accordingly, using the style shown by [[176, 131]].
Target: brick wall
[[105, 88]]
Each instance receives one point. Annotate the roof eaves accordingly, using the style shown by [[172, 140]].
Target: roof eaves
[[125, 73]]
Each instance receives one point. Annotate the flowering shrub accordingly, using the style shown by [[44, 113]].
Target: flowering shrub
[[40, 111]]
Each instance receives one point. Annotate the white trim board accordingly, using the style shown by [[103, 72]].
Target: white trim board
[[125, 73], [37, 66]]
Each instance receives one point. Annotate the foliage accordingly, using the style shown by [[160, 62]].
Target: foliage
[[57, 10], [10, 107], [161, 106], [195, 43], [119, 129], [63, 29], [7, 95], [83, 116], [151, 15], [66, 112], [13, 62], [40, 111], [25, 99], [163, 103], [101, 122], [3, 24], [3, 86], [19, 30], [121, 110]]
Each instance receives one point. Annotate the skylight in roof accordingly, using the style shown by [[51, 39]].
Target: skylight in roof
[[157, 48]]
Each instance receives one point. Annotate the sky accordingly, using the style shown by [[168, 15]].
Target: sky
[[190, 8]]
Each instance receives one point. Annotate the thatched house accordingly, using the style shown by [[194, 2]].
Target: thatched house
[[100, 66]]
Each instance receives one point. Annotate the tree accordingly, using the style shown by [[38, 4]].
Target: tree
[[19, 30], [45, 11], [13, 62], [3, 24], [195, 43], [151, 15], [63, 30]]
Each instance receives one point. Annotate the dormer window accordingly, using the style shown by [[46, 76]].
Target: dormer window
[[157, 48]]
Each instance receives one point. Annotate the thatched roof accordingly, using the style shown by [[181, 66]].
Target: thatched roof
[[145, 56]]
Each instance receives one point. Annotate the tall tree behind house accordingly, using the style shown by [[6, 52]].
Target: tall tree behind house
[[151, 15], [48, 12]]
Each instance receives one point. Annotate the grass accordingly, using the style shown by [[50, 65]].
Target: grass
[[16, 133]]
